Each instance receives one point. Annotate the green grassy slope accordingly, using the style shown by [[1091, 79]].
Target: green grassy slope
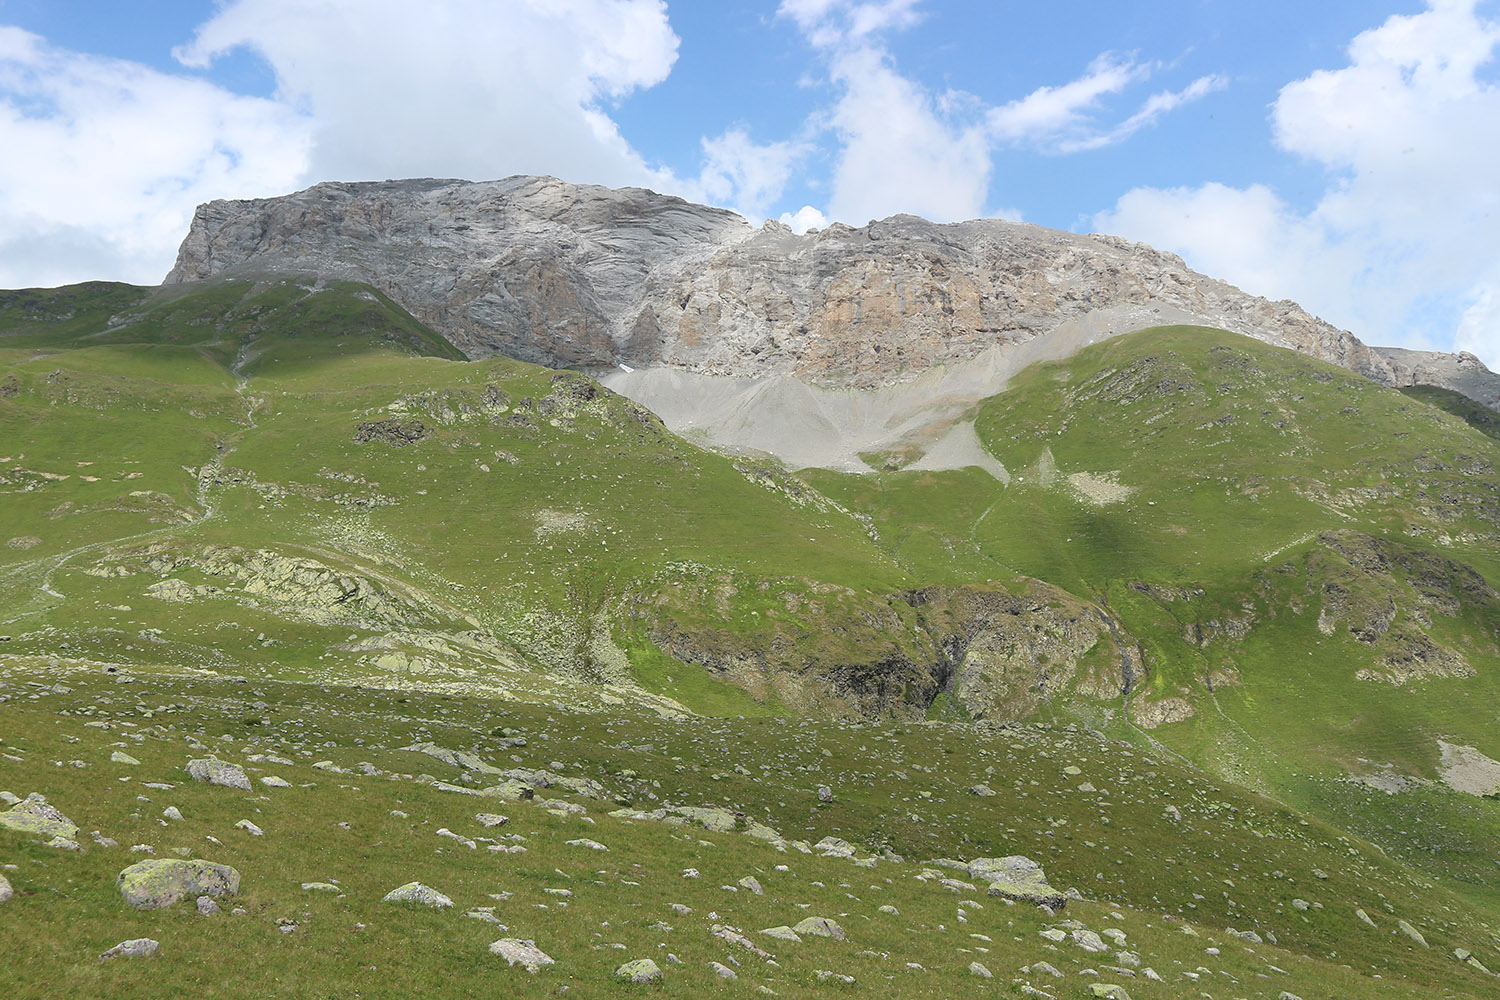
[[1304, 560], [314, 464], [1220, 553], [1158, 853]]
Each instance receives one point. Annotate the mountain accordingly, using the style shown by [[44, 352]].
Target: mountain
[[1207, 627], [747, 338]]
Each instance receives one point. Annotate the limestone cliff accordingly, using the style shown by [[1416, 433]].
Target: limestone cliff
[[564, 274]]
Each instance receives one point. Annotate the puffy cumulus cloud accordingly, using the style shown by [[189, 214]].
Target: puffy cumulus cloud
[[1408, 133], [106, 159], [1248, 236], [466, 88], [906, 148], [803, 219], [899, 151]]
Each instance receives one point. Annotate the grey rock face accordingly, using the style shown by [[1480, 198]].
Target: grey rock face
[[6, 892], [1462, 372], [214, 771], [563, 274]]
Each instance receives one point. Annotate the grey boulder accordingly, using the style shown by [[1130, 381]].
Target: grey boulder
[[213, 771], [416, 892], [515, 951], [159, 882], [134, 948]]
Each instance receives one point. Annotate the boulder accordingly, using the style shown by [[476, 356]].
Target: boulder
[[819, 927], [834, 847], [1412, 933], [1088, 940], [518, 952], [159, 882], [1017, 877], [213, 771], [134, 948], [455, 758], [641, 970], [416, 892], [34, 816], [1109, 991], [6, 892]]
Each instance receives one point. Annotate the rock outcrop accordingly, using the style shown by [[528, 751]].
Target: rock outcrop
[[562, 274]]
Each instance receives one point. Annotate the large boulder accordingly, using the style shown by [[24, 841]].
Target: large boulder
[[416, 892], [525, 953], [642, 970], [159, 882], [33, 815], [214, 771], [1017, 877], [6, 892], [819, 927]]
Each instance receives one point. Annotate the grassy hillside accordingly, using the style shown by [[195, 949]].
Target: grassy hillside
[[1304, 562], [1208, 887], [287, 521]]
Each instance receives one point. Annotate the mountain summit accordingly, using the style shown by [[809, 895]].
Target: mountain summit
[[576, 275]]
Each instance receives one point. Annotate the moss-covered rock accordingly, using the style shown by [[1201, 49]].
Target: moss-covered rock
[[642, 970], [1017, 877], [33, 815], [159, 882]]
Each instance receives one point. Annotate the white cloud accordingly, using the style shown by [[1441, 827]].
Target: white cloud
[[898, 152], [467, 88], [1048, 111], [905, 148], [803, 219], [828, 23], [1409, 133], [106, 159], [1156, 105], [746, 176], [1479, 327]]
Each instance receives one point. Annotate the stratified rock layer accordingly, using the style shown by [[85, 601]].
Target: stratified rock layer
[[564, 274]]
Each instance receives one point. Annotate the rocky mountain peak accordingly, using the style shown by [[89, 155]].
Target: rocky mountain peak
[[578, 275]]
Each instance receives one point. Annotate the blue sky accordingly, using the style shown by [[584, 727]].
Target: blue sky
[[1338, 153]]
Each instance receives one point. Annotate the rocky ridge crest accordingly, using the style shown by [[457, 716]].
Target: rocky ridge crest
[[577, 275]]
